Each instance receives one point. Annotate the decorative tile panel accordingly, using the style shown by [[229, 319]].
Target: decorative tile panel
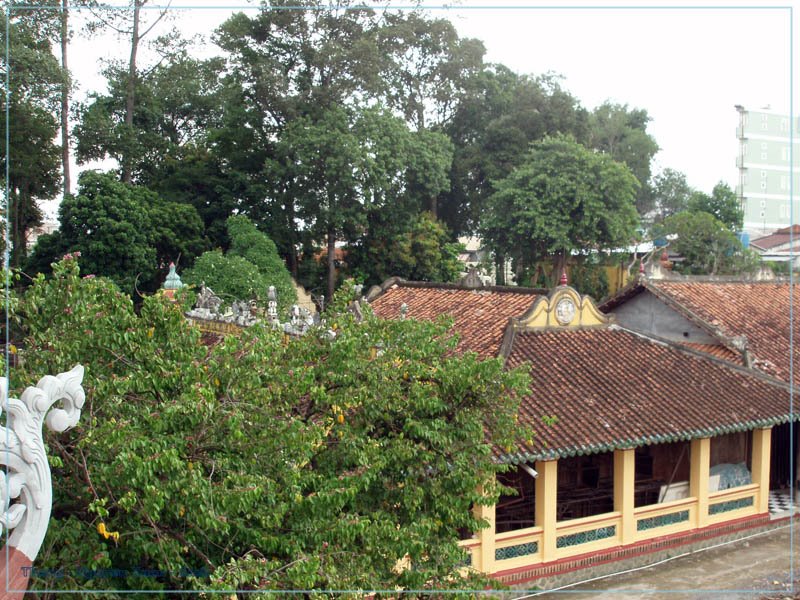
[[515, 551], [722, 507], [584, 537], [662, 520]]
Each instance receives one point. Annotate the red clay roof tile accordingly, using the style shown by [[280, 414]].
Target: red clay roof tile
[[757, 310], [609, 387], [480, 316]]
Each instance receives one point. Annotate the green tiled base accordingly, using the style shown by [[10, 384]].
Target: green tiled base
[[515, 551], [584, 537], [722, 507], [662, 520]]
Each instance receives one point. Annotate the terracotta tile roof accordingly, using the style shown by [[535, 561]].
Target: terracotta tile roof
[[778, 238], [480, 315], [770, 241], [717, 350], [612, 388], [757, 310]]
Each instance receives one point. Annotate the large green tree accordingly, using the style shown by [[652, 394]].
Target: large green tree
[[670, 194], [176, 104], [707, 245], [31, 156], [622, 134], [260, 463], [247, 270], [121, 231], [500, 115], [563, 199], [357, 175], [722, 204]]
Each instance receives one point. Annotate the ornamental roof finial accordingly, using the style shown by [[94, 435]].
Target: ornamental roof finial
[[563, 280], [173, 281]]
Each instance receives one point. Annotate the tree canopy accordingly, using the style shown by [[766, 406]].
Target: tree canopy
[[563, 198], [260, 462], [707, 245], [124, 232], [247, 270]]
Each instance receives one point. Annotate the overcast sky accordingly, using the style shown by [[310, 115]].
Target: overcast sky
[[686, 66]]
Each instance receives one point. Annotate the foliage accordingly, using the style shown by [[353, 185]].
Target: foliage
[[249, 243], [707, 245], [176, 102], [121, 231], [420, 252], [306, 463], [670, 193], [500, 115], [351, 173], [590, 278], [722, 204], [622, 134], [247, 270], [563, 198], [230, 277], [33, 166]]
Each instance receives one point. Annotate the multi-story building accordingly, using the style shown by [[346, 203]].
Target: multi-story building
[[764, 162]]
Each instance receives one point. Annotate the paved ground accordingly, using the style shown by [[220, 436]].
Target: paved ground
[[750, 569]]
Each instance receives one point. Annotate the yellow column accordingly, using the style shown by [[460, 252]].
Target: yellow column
[[760, 462], [698, 478], [624, 476], [546, 499], [486, 538]]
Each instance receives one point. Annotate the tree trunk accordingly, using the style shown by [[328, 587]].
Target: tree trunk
[[292, 239], [130, 99], [331, 263], [559, 264], [65, 96], [433, 206], [500, 268], [19, 219]]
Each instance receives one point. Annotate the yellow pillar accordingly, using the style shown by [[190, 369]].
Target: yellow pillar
[[698, 478], [546, 499], [624, 477], [760, 460], [486, 538]]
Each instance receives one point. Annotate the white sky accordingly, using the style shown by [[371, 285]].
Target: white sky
[[686, 66]]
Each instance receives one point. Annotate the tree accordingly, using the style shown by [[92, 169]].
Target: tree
[[421, 252], [622, 133], [500, 115], [429, 68], [252, 245], [177, 105], [130, 24], [707, 245], [670, 194], [350, 172], [247, 270], [31, 155], [262, 462], [722, 204], [562, 199], [122, 232]]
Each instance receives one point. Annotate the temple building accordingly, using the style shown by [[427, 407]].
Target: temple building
[[661, 418]]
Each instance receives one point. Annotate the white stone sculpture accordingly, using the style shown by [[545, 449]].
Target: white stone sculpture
[[26, 493]]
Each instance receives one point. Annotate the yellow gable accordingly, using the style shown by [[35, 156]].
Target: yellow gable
[[564, 308]]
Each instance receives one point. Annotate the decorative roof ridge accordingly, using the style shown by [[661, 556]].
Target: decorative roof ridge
[[678, 278], [632, 288], [378, 290], [705, 356]]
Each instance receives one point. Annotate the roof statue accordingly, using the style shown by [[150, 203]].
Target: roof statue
[[26, 493], [173, 281]]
